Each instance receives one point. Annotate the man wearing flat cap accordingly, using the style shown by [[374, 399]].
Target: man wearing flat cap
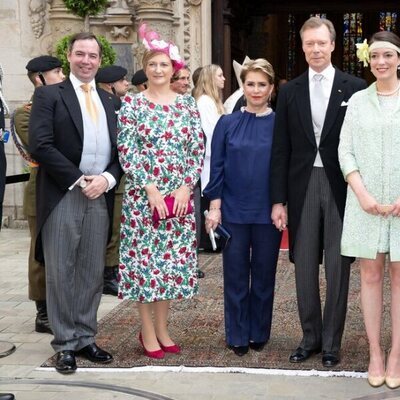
[[113, 80], [139, 79], [43, 70]]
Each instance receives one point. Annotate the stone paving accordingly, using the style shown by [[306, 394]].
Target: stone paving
[[21, 375]]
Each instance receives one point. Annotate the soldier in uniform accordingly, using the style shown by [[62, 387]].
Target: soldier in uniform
[[43, 70], [113, 80], [139, 79]]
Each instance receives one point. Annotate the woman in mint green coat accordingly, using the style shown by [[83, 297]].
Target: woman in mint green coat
[[369, 157]]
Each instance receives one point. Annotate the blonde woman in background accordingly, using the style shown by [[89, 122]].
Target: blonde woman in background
[[207, 94]]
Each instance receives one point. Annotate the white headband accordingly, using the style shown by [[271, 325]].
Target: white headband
[[383, 45]]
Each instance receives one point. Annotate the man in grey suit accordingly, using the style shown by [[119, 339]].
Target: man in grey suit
[[305, 174], [72, 135]]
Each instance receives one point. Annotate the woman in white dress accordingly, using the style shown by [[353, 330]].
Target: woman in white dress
[[207, 94], [369, 157]]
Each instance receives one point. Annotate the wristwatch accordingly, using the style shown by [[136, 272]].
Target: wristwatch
[[82, 183]]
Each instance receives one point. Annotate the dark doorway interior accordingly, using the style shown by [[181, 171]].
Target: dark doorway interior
[[270, 29]]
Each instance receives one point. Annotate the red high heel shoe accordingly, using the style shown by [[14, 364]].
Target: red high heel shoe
[[152, 354], [170, 349]]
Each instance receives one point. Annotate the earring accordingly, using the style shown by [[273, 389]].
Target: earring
[[398, 67]]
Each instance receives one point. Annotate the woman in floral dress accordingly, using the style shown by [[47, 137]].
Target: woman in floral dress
[[160, 144]]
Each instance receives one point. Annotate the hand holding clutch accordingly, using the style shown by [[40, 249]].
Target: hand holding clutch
[[169, 201]]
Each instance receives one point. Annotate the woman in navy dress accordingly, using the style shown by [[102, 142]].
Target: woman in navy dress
[[239, 195]]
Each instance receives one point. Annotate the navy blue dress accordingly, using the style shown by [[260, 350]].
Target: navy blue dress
[[239, 176]]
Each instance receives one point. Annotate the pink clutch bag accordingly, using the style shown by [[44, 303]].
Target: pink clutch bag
[[169, 201]]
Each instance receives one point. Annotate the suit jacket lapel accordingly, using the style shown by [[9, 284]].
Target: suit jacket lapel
[[108, 104], [304, 106], [335, 100], [71, 101]]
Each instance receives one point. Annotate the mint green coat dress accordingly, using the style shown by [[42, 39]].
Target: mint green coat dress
[[370, 144]]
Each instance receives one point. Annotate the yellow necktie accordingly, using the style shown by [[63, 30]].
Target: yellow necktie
[[90, 104]]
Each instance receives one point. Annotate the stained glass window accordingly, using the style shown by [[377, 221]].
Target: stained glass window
[[291, 46], [387, 21], [352, 34], [323, 15]]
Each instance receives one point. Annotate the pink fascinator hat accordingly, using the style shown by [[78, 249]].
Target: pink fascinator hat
[[151, 41]]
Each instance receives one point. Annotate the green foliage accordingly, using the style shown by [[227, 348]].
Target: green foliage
[[86, 7], [108, 58]]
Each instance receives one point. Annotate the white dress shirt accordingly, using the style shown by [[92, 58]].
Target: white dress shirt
[[327, 82], [96, 141], [209, 117]]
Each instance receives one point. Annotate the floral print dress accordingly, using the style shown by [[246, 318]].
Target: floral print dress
[[163, 145]]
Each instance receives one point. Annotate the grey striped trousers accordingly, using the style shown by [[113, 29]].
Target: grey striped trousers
[[320, 215], [74, 243]]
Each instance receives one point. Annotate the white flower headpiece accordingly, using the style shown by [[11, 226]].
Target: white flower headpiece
[[363, 50]]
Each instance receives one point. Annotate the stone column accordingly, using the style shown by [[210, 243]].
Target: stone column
[[118, 20], [197, 33], [62, 22], [158, 14], [227, 57], [117, 27]]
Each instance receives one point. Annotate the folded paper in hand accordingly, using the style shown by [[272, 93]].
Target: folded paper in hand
[[220, 233]]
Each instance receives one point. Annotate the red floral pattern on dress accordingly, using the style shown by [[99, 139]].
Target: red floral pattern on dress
[[163, 145]]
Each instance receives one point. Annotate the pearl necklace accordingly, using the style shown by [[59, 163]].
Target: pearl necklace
[[388, 93], [267, 111]]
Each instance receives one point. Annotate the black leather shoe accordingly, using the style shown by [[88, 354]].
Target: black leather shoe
[[42, 324], [301, 355], [6, 396], [330, 358], [94, 353], [257, 346], [110, 285], [239, 350], [66, 363], [200, 273]]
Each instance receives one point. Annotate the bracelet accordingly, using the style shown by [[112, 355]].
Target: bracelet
[[215, 208]]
